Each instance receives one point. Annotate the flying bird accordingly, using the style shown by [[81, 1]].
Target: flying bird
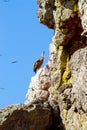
[[39, 62], [1, 88], [6, 0], [13, 62]]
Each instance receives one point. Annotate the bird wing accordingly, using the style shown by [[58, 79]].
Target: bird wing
[[14, 62], [38, 64]]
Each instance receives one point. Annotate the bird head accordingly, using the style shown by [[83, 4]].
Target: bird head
[[43, 53]]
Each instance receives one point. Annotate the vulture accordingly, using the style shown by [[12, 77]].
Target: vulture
[[39, 62]]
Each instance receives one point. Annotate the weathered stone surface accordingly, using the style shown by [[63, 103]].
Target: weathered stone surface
[[38, 88], [45, 12], [57, 94], [83, 10], [26, 117], [67, 63], [78, 64], [67, 21]]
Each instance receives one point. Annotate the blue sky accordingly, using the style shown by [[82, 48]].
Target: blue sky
[[22, 38]]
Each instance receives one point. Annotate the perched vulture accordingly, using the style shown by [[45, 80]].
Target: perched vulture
[[39, 62]]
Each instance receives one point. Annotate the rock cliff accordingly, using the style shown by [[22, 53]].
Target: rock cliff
[[57, 95]]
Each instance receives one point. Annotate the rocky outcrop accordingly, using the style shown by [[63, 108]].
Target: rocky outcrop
[[45, 12], [67, 63], [57, 95], [38, 89], [82, 4], [26, 117]]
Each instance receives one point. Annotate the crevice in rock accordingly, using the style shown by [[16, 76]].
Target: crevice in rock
[[57, 121]]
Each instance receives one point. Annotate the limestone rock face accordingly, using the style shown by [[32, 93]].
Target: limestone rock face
[[79, 67], [26, 117], [45, 12], [83, 10], [57, 94], [38, 89]]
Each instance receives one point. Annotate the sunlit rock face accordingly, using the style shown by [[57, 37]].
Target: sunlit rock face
[[83, 10], [67, 62], [38, 88], [45, 12], [78, 64], [59, 89]]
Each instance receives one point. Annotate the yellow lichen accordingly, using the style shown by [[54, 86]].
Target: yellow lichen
[[65, 113], [64, 30], [75, 7], [65, 72], [83, 121], [67, 75]]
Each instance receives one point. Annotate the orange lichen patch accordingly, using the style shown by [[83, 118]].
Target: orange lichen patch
[[73, 25]]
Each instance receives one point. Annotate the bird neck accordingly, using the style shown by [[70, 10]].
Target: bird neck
[[42, 54]]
